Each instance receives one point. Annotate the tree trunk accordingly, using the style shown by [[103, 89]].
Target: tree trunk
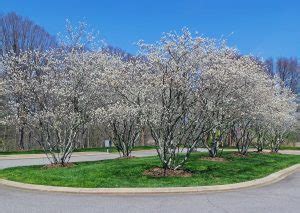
[[21, 137], [143, 136]]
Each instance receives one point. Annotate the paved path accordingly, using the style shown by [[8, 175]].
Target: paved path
[[282, 197], [40, 159]]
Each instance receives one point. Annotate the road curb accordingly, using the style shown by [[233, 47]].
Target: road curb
[[272, 178]]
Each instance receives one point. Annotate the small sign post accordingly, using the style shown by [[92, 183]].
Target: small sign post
[[107, 144]]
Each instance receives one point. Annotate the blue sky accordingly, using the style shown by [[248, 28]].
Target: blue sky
[[260, 27]]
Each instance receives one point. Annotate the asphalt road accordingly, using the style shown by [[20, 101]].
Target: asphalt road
[[283, 197], [15, 161]]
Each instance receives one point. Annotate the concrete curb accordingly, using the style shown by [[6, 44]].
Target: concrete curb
[[272, 178]]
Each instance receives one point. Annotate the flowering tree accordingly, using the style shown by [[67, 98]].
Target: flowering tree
[[282, 115], [17, 69], [53, 92], [272, 113], [58, 97], [179, 108], [201, 90], [230, 96], [122, 101]]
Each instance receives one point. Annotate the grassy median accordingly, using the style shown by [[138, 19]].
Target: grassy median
[[129, 172]]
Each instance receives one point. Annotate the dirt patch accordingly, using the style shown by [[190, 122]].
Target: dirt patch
[[277, 153], [264, 152], [51, 166], [215, 159], [128, 157], [160, 172], [237, 154]]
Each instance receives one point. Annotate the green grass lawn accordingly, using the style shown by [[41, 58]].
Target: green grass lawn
[[98, 149], [289, 148], [129, 172], [22, 152]]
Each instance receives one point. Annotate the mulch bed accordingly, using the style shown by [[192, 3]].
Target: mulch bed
[[215, 159], [268, 153], [237, 154], [66, 165], [128, 157], [264, 152], [159, 172]]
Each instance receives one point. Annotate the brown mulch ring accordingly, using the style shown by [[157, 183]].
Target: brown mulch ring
[[128, 157], [237, 154], [215, 159], [277, 153], [66, 165], [264, 152], [268, 152], [159, 172]]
